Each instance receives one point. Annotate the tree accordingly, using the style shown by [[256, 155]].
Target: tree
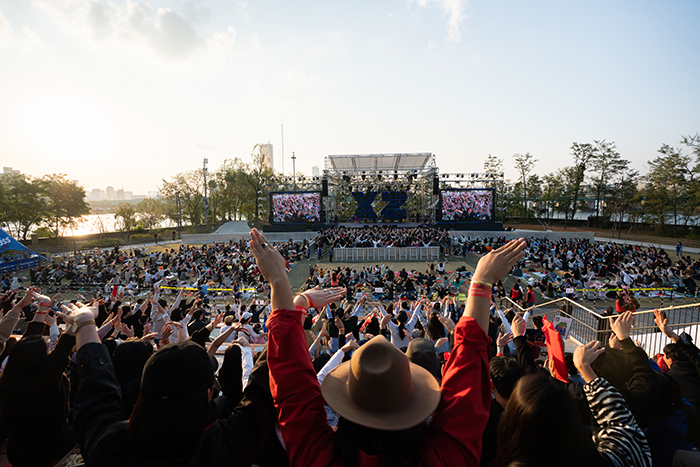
[[583, 154], [524, 163], [667, 182], [151, 212], [624, 191], [24, 204], [605, 164], [65, 202], [125, 217], [255, 174], [189, 187]]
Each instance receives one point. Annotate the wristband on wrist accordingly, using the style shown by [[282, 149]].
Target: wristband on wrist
[[46, 304], [308, 303], [308, 300], [41, 312], [482, 283], [479, 287], [479, 293]]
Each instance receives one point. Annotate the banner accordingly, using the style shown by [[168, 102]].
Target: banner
[[563, 326]]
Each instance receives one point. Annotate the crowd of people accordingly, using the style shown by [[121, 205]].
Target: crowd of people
[[296, 207], [554, 266], [225, 266], [467, 205], [330, 376], [382, 236], [366, 366]]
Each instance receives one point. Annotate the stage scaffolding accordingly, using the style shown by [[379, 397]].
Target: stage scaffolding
[[416, 174]]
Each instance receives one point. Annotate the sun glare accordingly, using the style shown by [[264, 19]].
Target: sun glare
[[68, 129]]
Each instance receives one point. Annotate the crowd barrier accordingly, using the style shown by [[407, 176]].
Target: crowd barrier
[[430, 253], [588, 325]]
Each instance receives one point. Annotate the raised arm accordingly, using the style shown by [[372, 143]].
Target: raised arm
[[295, 390], [466, 388]]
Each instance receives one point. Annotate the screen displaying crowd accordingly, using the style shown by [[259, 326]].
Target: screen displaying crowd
[[296, 207], [467, 205]]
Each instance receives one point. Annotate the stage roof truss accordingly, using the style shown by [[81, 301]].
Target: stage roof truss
[[417, 163]]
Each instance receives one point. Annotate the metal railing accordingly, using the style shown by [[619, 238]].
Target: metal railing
[[589, 325]]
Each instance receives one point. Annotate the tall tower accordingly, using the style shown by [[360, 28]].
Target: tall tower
[[266, 150]]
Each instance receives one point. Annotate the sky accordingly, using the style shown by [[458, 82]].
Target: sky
[[127, 93]]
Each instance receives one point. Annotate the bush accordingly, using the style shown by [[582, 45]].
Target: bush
[[139, 229], [141, 237]]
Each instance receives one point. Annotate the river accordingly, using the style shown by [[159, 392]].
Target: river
[[97, 223]]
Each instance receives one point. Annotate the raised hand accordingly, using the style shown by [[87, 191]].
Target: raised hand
[[518, 326], [166, 332], [440, 342], [662, 322], [350, 345], [269, 260], [502, 340], [497, 263], [584, 356], [78, 313], [622, 325], [318, 297]]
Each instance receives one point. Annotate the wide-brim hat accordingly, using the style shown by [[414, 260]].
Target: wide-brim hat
[[379, 388]]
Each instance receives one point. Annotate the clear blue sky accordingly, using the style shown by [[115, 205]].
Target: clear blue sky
[[105, 91]]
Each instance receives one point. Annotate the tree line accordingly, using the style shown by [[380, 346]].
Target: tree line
[[51, 202], [599, 180]]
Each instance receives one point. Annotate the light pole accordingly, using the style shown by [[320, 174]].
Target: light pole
[[294, 169], [206, 200], [179, 214]]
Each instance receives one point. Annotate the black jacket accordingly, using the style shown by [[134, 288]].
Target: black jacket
[[687, 374], [101, 429]]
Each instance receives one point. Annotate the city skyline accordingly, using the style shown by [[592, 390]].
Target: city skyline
[[141, 91]]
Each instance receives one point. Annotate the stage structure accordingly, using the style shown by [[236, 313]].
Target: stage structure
[[391, 189], [381, 188]]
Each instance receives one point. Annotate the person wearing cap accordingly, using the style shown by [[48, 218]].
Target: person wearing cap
[[171, 423], [383, 399]]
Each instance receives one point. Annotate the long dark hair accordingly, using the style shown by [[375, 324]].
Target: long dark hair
[[395, 448], [541, 409], [30, 391], [435, 328], [402, 317], [175, 425], [128, 359]]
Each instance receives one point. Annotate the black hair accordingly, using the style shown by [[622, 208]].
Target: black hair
[[394, 448], [569, 360], [538, 409], [675, 353], [128, 359], [435, 328], [615, 366], [505, 373], [30, 390], [402, 317]]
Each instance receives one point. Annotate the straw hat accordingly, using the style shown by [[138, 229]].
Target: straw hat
[[379, 388]]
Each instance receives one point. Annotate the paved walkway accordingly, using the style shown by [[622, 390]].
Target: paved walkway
[[670, 249]]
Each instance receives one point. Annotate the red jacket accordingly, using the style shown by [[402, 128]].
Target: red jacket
[[454, 434]]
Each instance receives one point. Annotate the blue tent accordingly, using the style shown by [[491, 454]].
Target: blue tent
[[14, 262]]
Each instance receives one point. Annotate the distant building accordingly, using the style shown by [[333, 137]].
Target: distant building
[[120, 194], [10, 170], [97, 195], [315, 172], [128, 195], [266, 151], [110, 193]]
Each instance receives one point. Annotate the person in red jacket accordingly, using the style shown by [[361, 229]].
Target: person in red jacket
[[382, 399]]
